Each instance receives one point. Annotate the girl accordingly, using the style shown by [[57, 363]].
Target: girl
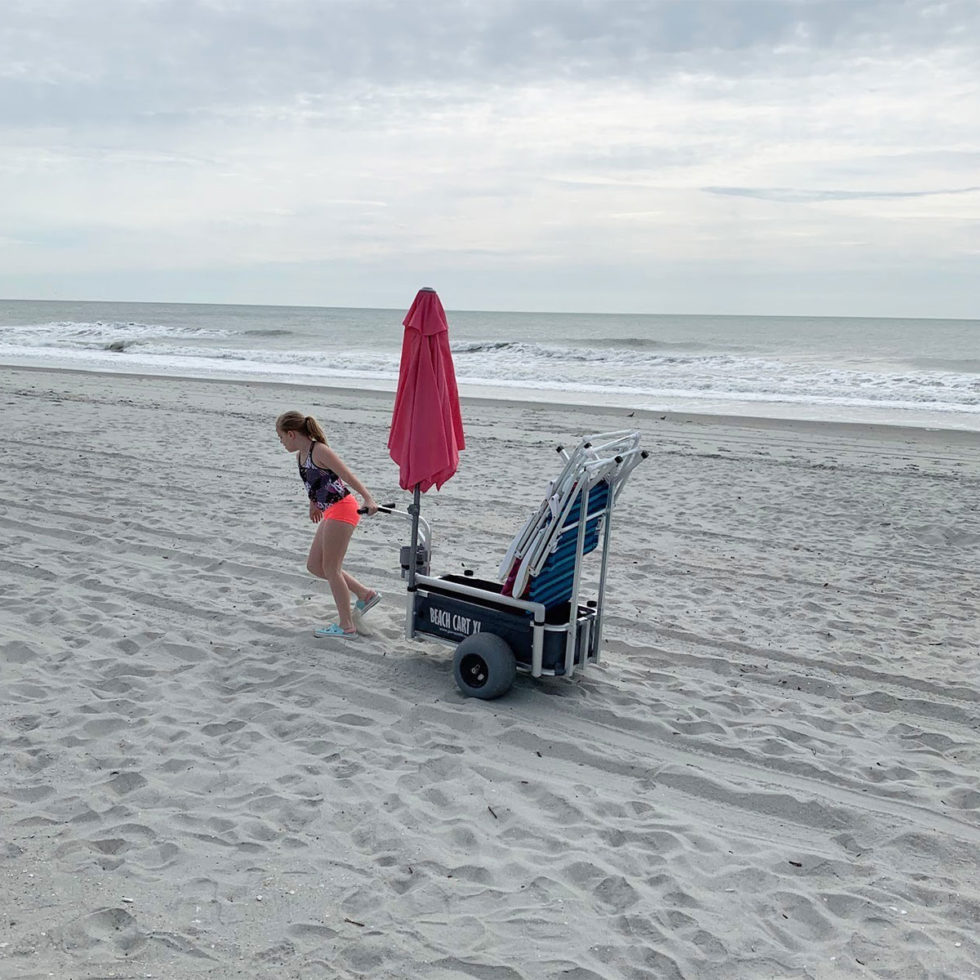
[[334, 509]]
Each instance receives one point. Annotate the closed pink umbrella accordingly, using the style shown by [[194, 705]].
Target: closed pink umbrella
[[426, 426]]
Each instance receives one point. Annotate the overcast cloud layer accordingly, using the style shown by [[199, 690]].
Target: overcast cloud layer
[[727, 157]]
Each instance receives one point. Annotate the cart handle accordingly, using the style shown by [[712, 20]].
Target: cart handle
[[382, 509]]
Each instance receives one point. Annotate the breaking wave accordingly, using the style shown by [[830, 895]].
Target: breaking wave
[[643, 370]]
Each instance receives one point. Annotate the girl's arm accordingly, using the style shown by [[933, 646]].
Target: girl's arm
[[324, 456]]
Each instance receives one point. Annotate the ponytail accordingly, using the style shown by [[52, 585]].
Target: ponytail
[[297, 422], [313, 430]]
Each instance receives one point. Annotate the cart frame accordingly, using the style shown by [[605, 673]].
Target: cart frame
[[537, 639]]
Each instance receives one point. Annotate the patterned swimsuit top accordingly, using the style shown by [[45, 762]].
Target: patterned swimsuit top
[[323, 486]]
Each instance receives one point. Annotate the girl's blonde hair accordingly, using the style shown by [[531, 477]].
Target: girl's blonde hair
[[297, 422]]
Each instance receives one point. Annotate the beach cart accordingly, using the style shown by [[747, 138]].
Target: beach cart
[[533, 619]]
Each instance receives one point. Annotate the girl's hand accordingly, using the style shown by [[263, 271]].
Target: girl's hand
[[316, 515], [372, 507]]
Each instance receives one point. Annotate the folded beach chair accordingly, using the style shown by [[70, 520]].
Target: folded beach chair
[[543, 559], [534, 621]]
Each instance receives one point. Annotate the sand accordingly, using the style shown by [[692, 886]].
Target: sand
[[773, 773]]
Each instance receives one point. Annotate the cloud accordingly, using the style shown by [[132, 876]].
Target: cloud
[[791, 196], [168, 60], [218, 134]]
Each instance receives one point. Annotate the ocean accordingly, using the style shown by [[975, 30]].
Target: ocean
[[895, 371]]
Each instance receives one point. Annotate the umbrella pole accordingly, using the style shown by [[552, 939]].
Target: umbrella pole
[[412, 563], [413, 560]]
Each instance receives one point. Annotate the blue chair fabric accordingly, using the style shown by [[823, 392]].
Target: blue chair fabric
[[553, 585]]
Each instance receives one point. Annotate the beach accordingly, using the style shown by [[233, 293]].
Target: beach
[[772, 773]]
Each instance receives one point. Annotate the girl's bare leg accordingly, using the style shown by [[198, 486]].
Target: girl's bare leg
[[315, 567], [326, 558], [361, 591]]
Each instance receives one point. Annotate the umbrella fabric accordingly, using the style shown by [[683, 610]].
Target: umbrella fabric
[[426, 427]]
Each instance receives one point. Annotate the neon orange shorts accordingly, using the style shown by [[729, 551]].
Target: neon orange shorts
[[344, 510]]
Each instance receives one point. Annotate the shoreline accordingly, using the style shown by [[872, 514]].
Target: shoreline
[[956, 435]]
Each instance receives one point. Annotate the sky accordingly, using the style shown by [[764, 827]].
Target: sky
[[785, 157]]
